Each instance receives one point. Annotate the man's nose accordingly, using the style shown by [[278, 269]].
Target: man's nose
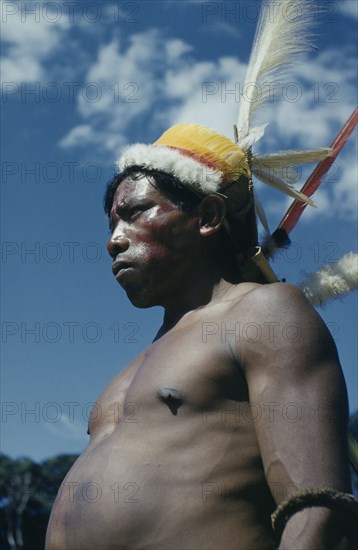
[[117, 244]]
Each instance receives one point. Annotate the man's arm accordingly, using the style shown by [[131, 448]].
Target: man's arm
[[295, 380]]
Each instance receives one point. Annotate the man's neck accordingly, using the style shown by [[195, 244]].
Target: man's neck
[[199, 298]]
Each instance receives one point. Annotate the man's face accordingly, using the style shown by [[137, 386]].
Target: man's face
[[154, 244]]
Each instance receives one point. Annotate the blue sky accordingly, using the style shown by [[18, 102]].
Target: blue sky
[[79, 81]]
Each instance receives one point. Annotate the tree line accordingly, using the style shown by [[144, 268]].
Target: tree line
[[27, 493]]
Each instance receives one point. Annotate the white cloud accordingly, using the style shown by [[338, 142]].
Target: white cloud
[[322, 200], [168, 86], [154, 77], [337, 194], [124, 84], [67, 428], [327, 100], [180, 84], [176, 48], [16, 68], [85, 135], [315, 103], [82, 133], [29, 39], [221, 28], [345, 190], [209, 94], [349, 7]]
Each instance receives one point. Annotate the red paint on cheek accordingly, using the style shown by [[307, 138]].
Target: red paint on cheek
[[162, 225]]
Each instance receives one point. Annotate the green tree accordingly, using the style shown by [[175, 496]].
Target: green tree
[[27, 493]]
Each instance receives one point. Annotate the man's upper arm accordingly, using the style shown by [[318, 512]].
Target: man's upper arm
[[297, 391]]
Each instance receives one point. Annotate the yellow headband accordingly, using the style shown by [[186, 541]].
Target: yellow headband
[[199, 157]]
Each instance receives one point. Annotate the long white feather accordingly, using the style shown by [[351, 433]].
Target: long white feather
[[271, 177], [332, 281], [281, 37], [282, 164], [291, 158]]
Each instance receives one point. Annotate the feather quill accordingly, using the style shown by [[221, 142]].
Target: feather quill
[[261, 213], [280, 39]]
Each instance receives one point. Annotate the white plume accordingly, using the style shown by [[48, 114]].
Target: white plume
[[332, 280], [275, 179], [280, 165], [291, 158], [281, 37]]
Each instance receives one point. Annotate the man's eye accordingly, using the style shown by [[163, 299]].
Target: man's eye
[[126, 214], [133, 213]]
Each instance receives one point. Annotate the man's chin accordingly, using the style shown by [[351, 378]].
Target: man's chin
[[138, 298]]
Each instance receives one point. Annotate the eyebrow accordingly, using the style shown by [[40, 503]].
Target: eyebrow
[[122, 207], [128, 205]]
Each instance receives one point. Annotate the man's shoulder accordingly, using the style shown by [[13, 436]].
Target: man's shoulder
[[254, 302], [280, 309], [273, 299], [277, 318]]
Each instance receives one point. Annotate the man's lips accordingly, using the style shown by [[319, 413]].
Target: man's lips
[[120, 265]]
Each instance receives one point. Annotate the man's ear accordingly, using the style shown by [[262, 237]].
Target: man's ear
[[212, 211]]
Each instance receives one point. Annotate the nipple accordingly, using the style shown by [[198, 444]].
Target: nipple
[[171, 397]]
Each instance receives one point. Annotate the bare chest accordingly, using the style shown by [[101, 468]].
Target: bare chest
[[171, 429], [180, 375]]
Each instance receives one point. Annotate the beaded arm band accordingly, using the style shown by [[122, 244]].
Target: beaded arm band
[[329, 498]]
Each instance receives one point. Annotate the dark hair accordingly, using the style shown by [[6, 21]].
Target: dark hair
[[167, 184]]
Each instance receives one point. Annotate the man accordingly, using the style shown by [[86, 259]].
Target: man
[[238, 404]]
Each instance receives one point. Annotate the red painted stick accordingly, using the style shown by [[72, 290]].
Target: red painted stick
[[294, 212]]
